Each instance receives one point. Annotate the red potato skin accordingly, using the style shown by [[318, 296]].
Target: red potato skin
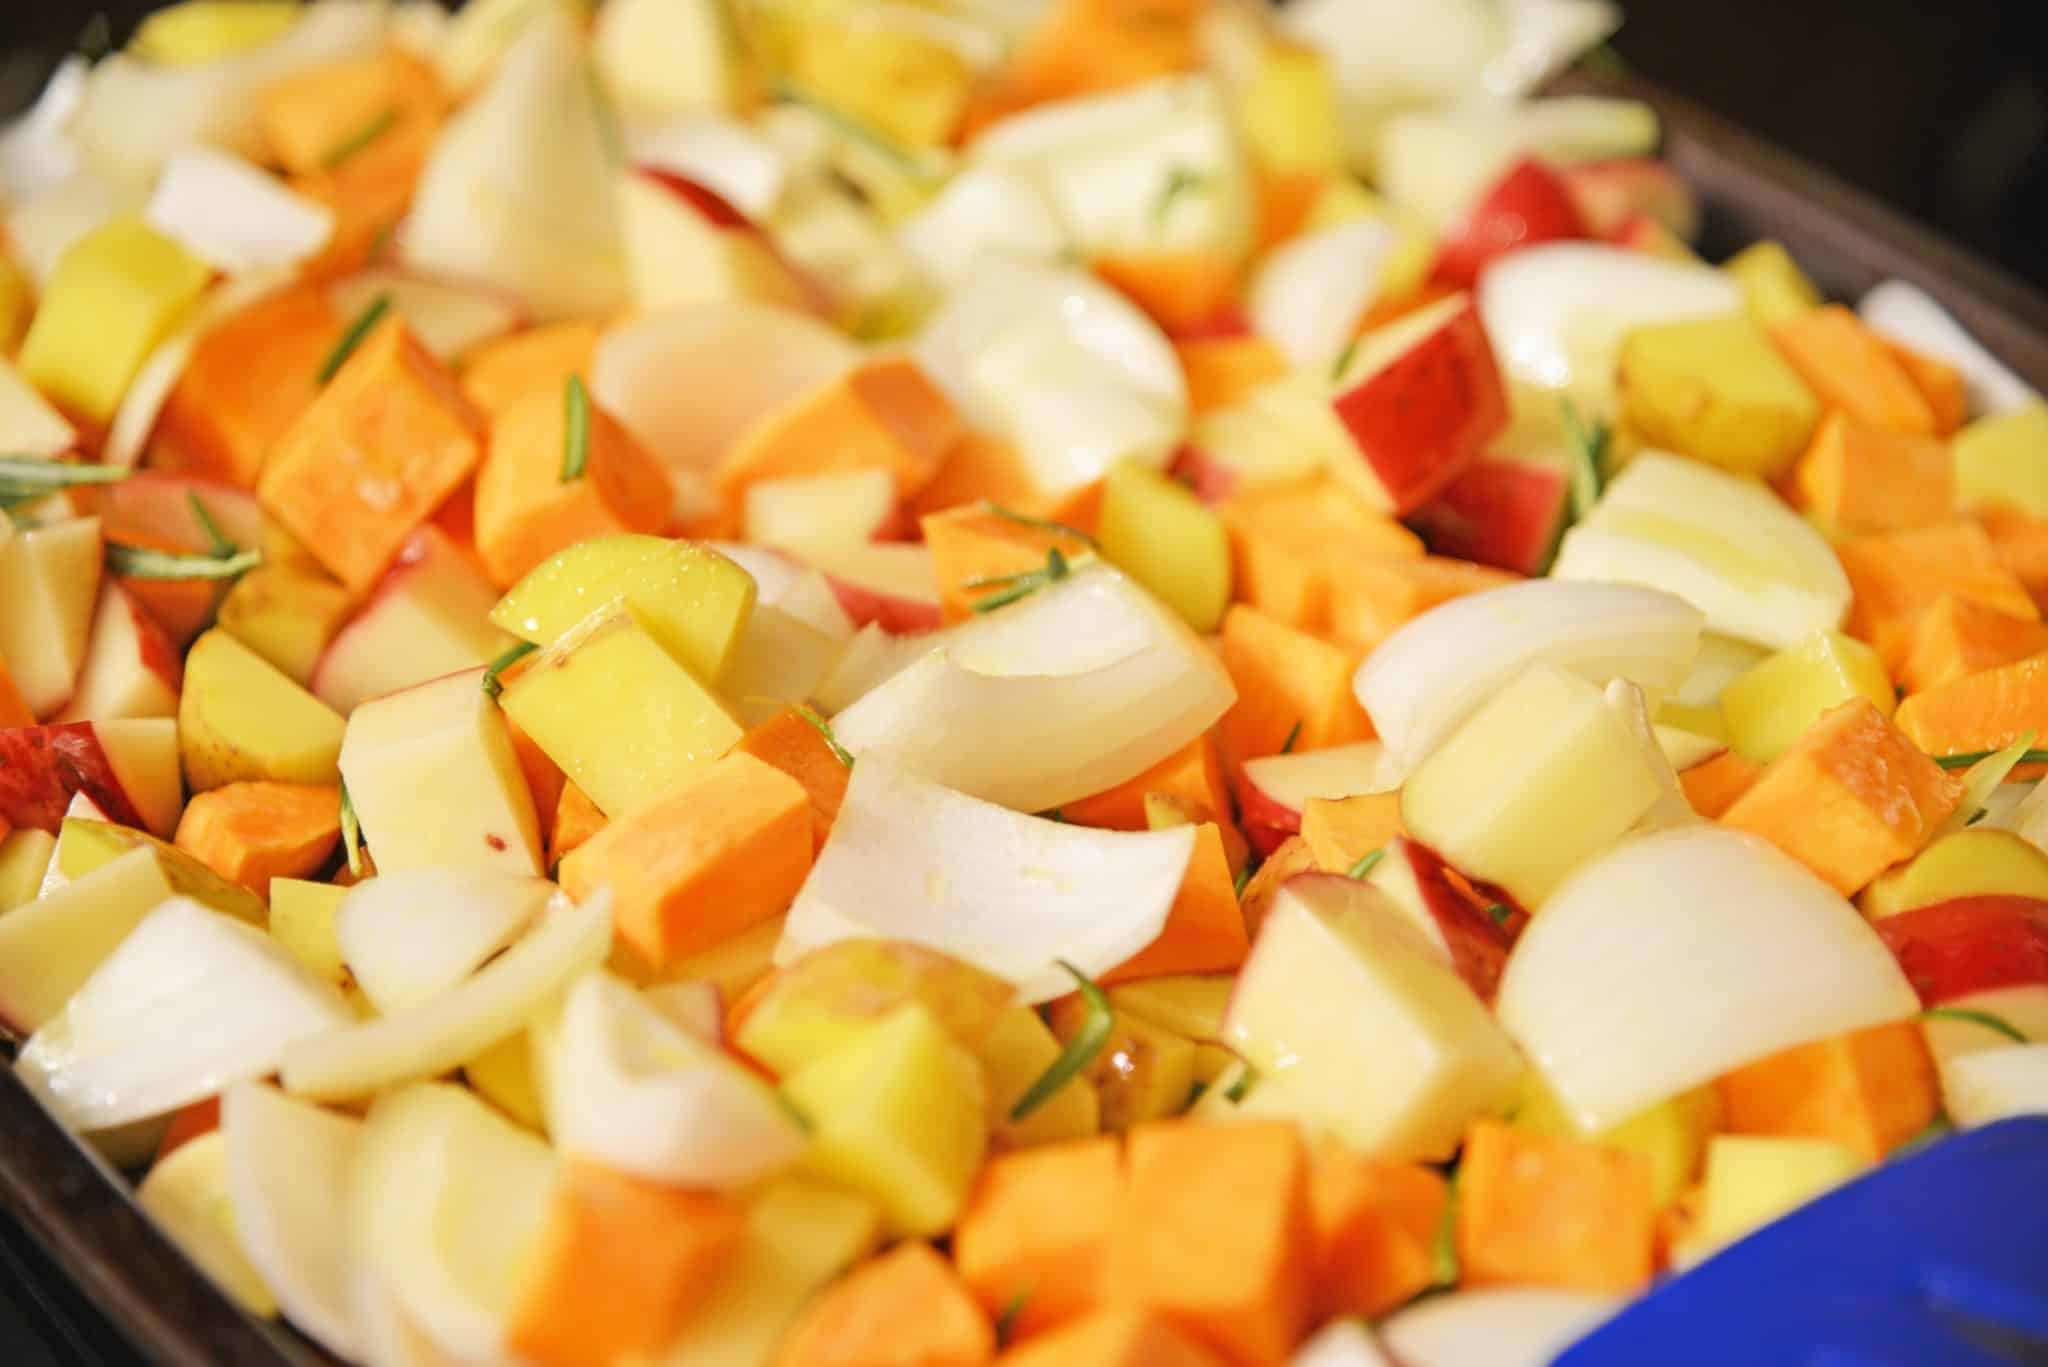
[[1224, 323], [42, 766], [1420, 421], [1479, 946], [1208, 481], [1969, 944], [897, 616], [713, 207], [1498, 513], [1527, 205], [152, 504], [1611, 194]]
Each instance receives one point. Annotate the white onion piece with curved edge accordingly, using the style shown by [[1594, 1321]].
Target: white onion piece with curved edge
[[1988, 1085], [447, 1201], [692, 1005], [410, 935], [1910, 315], [288, 1169], [36, 151], [870, 659], [1426, 678], [1008, 893], [151, 388], [782, 581], [630, 1088], [1680, 955], [455, 1027], [191, 1002], [232, 215], [1557, 313], [1309, 294], [1070, 691], [1506, 1326], [984, 208], [1544, 37]]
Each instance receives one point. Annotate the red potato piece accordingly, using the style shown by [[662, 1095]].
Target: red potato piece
[[1969, 944], [1499, 513], [119, 766], [1527, 205]]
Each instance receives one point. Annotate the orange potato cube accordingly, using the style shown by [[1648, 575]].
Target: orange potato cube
[[1869, 1090], [1940, 383], [1956, 637], [973, 543], [1034, 1229], [1538, 1209], [1373, 597], [1341, 831], [1204, 931], [250, 833], [1113, 1338], [1713, 785], [884, 413], [312, 117], [1898, 575], [1988, 710], [385, 442], [1849, 367], [541, 358], [906, 1306], [1861, 478], [1285, 678], [1853, 796], [1286, 542], [796, 747], [723, 850], [1376, 1228], [1221, 370], [1179, 290], [526, 511], [249, 379], [1193, 774], [577, 819]]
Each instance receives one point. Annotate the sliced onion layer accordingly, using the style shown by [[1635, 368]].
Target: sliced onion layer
[[1680, 955], [411, 935], [1426, 678], [1008, 893], [1498, 1326], [234, 216]]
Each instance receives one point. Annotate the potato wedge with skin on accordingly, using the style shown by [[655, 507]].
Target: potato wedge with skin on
[[239, 718]]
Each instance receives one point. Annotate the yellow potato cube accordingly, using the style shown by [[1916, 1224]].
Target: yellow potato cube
[[302, 917], [1771, 704], [503, 1075], [1717, 390], [1969, 863], [1773, 286], [86, 845], [115, 294], [907, 85], [1287, 111], [1751, 1181], [1672, 1134], [208, 30], [2002, 459], [1016, 1052], [1155, 530], [240, 718]]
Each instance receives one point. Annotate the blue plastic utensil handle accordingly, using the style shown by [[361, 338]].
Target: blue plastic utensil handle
[[1933, 1260]]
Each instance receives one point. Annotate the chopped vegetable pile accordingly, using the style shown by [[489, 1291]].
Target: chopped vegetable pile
[[900, 682]]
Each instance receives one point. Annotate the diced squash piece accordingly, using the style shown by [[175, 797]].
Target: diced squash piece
[[2020, 541], [1286, 541], [1849, 367], [1850, 798], [239, 719], [1160, 534], [883, 414], [1774, 289], [897, 1113], [1221, 370], [1957, 637], [1181, 290], [1114, 1338], [1034, 1231], [302, 918], [1341, 831], [368, 192], [1978, 861], [1898, 575], [1204, 931], [251, 833], [624, 720], [1751, 1181], [1285, 678], [1081, 47], [1715, 389], [544, 778], [723, 850], [1213, 1231], [905, 1306], [1770, 705], [1671, 1135], [1711, 787], [620, 1260], [577, 819], [1868, 1091], [1988, 710], [13, 711], [975, 542], [526, 510], [982, 468], [115, 294], [538, 359], [1544, 1210], [322, 116], [1015, 1053], [387, 440], [1372, 597], [1376, 1227], [1193, 774], [250, 377], [1940, 383], [794, 744], [1859, 478]]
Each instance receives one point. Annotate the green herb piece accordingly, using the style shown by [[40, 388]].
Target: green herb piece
[[139, 562], [218, 542], [1497, 912], [1043, 524], [1367, 862], [1343, 361], [1975, 1017], [1589, 459], [493, 685], [1006, 1319], [824, 728], [1935, 1131], [1293, 735], [608, 128], [1080, 1051], [1443, 1250], [1964, 761], [854, 130], [353, 336], [381, 243], [1179, 181], [1242, 881], [1011, 587], [575, 430], [789, 1108], [24, 479], [351, 832], [1058, 816], [1241, 1088], [361, 138]]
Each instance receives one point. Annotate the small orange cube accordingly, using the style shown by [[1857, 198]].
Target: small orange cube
[[250, 833], [1376, 1228], [1372, 597], [794, 745], [1222, 370], [250, 377], [1544, 1210], [1849, 367], [1957, 636], [1898, 575], [1285, 678], [1113, 1338], [1862, 478], [314, 118], [1988, 710], [1287, 540], [1034, 1229], [972, 544], [906, 1306], [541, 358], [1869, 1090], [884, 413]]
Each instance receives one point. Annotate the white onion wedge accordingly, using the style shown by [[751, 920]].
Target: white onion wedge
[[1544, 37], [1426, 678], [151, 388], [984, 208], [1010, 894], [870, 659], [1680, 955], [232, 215], [692, 1005], [452, 1029], [1069, 691], [36, 151], [191, 1002], [629, 1088], [1309, 294], [186, 1194], [410, 935], [1906, 313], [1989, 1085], [1518, 1326], [288, 1169]]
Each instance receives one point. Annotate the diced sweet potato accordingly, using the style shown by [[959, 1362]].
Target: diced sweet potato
[[1862, 478], [1034, 1229], [1713, 785], [1869, 1091], [1080, 47], [1940, 383], [1179, 290], [1286, 542], [1373, 597], [1850, 368], [1898, 575], [619, 1262], [1852, 797], [251, 833], [544, 778], [1984, 711], [906, 1306], [1549, 1211], [2020, 541], [526, 510], [792, 744], [1956, 637], [315, 118], [1204, 930], [1376, 1227], [882, 414], [971, 544], [978, 468], [541, 358], [577, 819], [1113, 1338], [249, 379], [1341, 831], [1222, 370], [1285, 678], [1193, 773], [385, 442], [724, 850]]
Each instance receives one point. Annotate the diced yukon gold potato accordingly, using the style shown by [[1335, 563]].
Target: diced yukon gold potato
[[240, 718], [1967, 863], [505, 1076], [1716, 389], [187, 1195], [1542, 776], [49, 579], [207, 30], [86, 845], [1190, 1004], [1160, 534], [1355, 1026], [286, 615], [1144, 1072], [1773, 286], [1771, 703], [1751, 1181], [624, 720], [1672, 1134], [897, 1113], [1016, 1052], [302, 918], [905, 82], [2002, 459]]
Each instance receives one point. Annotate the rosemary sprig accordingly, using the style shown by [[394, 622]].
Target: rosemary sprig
[[1589, 459], [1011, 587], [1006, 1321], [1964, 761], [1241, 1087], [575, 430], [353, 336], [1343, 361], [1080, 1051], [824, 728], [219, 544], [360, 139], [140, 562], [493, 685], [1367, 862], [1975, 1017], [1043, 524], [1180, 180], [1497, 912], [1242, 881], [1443, 1253], [1293, 735], [26, 478], [351, 832]]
